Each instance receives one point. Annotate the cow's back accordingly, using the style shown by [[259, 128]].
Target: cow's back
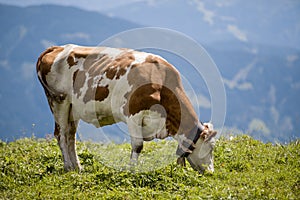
[[107, 85]]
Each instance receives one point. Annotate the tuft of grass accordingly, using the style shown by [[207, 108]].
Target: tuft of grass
[[244, 169]]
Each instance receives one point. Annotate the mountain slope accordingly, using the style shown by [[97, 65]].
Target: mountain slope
[[26, 32], [262, 80], [255, 46], [212, 20]]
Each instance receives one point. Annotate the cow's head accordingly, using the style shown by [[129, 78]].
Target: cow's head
[[202, 156]]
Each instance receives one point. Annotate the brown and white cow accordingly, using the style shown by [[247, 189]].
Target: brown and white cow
[[103, 86]]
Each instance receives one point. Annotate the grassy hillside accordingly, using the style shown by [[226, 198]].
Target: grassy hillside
[[245, 169]]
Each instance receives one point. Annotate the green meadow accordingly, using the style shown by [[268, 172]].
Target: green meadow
[[245, 168]]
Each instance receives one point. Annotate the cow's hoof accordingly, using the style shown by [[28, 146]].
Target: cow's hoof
[[71, 168], [181, 161]]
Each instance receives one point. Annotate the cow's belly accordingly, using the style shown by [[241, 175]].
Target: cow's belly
[[107, 111], [98, 114], [154, 126], [148, 125]]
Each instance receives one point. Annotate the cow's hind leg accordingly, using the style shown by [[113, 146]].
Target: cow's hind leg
[[65, 133]]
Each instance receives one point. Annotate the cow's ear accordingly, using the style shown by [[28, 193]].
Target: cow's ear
[[208, 125]]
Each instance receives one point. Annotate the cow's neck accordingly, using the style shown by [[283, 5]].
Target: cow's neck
[[187, 142], [189, 130], [189, 121]]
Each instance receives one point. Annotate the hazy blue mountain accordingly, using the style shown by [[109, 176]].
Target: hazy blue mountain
[[25, 33], [261, 77], [255, 44], [258, 21]]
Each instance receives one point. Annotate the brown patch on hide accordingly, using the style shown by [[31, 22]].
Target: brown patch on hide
[[98, 93], [71, 59], [172, 106], [142, 98], [157, 60], [119, 66], [101, 93], [97, 65], [155, 82], [79, 78], [89, 53]]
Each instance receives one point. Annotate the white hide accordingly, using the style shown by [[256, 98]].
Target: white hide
[[113, 105], [144, 125], [147, 125], [202, 157]]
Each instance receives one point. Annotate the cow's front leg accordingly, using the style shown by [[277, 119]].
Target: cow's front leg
[[136, 148], [181, 161], [135, 129]]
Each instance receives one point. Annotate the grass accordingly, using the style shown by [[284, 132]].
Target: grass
[[244, 169]]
